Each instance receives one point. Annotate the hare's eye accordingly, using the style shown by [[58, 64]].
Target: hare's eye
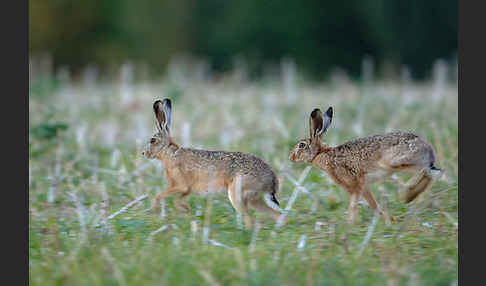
[[301, 145], [152, 141]]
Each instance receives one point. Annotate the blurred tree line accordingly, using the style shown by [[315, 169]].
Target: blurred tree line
[[319, 35]]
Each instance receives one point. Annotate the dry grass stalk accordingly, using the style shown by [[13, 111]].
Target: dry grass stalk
[[451, 220], [292, 199], [116, 271], [208, 277], [369, 233], [301, 244], [127, 206]]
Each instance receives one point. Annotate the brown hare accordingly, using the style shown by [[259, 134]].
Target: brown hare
[[190, 171], [357, 163]]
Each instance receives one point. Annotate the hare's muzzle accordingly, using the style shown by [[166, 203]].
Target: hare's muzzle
[[146, 151], [292, 156], [146, 154]]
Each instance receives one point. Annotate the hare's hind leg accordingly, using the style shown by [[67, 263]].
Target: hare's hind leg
[[420, 182], [240, 203], [260, 204], [422, 178]]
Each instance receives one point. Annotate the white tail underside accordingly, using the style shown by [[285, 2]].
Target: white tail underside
[[267, 197]]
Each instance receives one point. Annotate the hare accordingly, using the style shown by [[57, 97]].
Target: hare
[[248, 181], [357, 163]]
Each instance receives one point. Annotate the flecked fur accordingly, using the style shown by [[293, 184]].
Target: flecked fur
[[190, 171], [357, 163]]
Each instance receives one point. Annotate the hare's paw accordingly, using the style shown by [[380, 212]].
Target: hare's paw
[[155, 208]]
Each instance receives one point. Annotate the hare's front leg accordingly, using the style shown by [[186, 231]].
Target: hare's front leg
[[353, 206], [181, 203], [374, 205], [165, 193]]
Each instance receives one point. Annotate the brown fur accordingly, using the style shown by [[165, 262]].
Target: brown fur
[[191, 171], [357, 163]]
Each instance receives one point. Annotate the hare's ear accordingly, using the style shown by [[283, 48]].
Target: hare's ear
[[315, 122], [168, 113], [159, 115], [327, 121], [319, 123]]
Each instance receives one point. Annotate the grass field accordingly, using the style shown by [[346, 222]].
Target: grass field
[[85, 164]]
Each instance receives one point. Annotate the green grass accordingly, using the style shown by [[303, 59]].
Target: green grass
[[66, 247]]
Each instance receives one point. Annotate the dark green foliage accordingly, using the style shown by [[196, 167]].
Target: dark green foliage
[[48, 130], [319, 35]]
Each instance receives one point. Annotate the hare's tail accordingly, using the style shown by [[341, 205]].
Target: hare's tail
[[272, 202], [270, 198], [274, 190], [435, 172], [274, 199]]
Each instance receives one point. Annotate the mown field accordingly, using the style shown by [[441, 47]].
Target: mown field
[[85, 164]]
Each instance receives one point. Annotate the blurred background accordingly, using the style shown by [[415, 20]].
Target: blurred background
[[318, 36]]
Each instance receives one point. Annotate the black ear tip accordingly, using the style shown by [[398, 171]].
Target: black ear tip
[[156, 103], [167, 102], [329, 111]]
